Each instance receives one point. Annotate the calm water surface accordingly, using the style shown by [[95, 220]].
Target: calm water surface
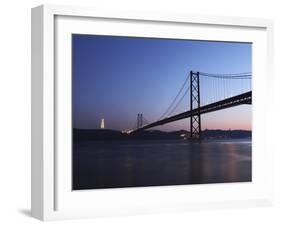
[[152, 163]]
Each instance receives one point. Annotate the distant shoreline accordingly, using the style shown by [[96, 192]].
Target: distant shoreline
[[107, 134]]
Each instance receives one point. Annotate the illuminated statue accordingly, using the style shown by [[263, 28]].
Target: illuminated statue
[[102, 123]]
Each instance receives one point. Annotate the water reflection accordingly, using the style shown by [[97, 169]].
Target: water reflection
[[155, 163]]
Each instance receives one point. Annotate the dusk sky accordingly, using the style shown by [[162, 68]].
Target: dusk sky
[[116, 78]]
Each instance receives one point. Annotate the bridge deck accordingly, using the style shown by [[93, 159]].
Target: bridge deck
[[244, 98]]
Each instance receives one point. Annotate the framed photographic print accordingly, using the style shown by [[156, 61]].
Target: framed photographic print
[[136, 112]]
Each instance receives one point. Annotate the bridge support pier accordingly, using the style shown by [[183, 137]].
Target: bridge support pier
[[195, 118]]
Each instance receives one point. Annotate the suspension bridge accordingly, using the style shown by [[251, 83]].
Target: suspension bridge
[[207, 93]]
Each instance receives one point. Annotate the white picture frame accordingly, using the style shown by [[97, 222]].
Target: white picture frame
[[52, 197]]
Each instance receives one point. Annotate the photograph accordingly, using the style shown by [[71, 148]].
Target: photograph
[[150, 111]]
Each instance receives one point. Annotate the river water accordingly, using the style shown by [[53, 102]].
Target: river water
[[116, 164]]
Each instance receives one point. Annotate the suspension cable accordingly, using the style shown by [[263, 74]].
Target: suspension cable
[[241, 74], [180, 100], [170, 106]]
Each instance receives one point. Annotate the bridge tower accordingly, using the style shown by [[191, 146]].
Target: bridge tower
[[139, 121], [195, 118]]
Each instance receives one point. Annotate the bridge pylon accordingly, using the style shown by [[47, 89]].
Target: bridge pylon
[[195, 118], [139, 121]]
